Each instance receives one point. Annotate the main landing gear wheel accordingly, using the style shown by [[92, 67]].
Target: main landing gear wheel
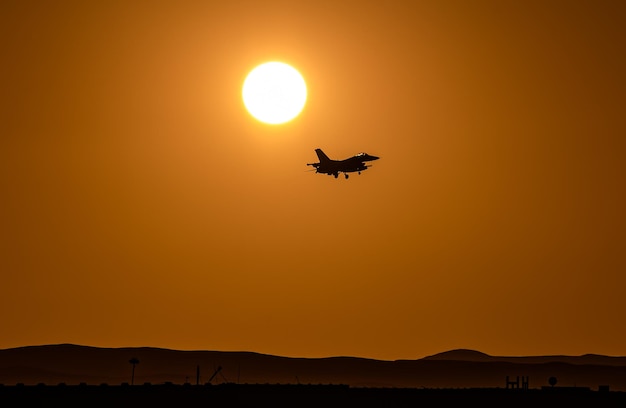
[[347, 175], [336, 175]]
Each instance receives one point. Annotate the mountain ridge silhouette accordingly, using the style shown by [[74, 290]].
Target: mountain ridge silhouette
[[473, 355], [72, 364]]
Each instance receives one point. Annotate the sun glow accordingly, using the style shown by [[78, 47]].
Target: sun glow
[[274, 93]]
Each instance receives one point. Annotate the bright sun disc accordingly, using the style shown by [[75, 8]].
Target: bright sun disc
[[274, 93]]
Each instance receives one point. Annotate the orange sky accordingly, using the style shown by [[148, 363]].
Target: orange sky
[[143, 206]]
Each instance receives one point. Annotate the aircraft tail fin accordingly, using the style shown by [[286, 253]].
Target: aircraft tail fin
[[322, 156]]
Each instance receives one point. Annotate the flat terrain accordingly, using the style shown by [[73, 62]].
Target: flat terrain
[[73, 365], [254, 395]]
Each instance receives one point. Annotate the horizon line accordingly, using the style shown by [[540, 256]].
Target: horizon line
[[464, 350]]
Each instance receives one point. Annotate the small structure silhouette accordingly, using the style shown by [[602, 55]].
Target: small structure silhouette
[[134, 361], [217, 370], [516, 384]]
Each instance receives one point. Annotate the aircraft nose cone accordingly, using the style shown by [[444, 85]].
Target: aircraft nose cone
[[370, 157]]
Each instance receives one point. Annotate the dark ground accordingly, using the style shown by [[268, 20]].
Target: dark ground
[[73, 364], [255, 395]]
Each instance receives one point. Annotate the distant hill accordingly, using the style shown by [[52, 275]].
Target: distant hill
[[471, 355], [461, 355], [73, 364]]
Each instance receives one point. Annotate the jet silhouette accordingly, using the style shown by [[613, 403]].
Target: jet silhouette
[[334, 167]]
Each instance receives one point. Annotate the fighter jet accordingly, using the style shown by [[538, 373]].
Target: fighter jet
[[334, 167]]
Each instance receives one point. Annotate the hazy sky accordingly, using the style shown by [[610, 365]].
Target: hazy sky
[[141, 205]]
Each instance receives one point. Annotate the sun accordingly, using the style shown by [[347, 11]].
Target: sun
[[274, 92]]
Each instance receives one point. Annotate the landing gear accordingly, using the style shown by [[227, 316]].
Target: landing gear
[[347, 175], [336, 175]]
